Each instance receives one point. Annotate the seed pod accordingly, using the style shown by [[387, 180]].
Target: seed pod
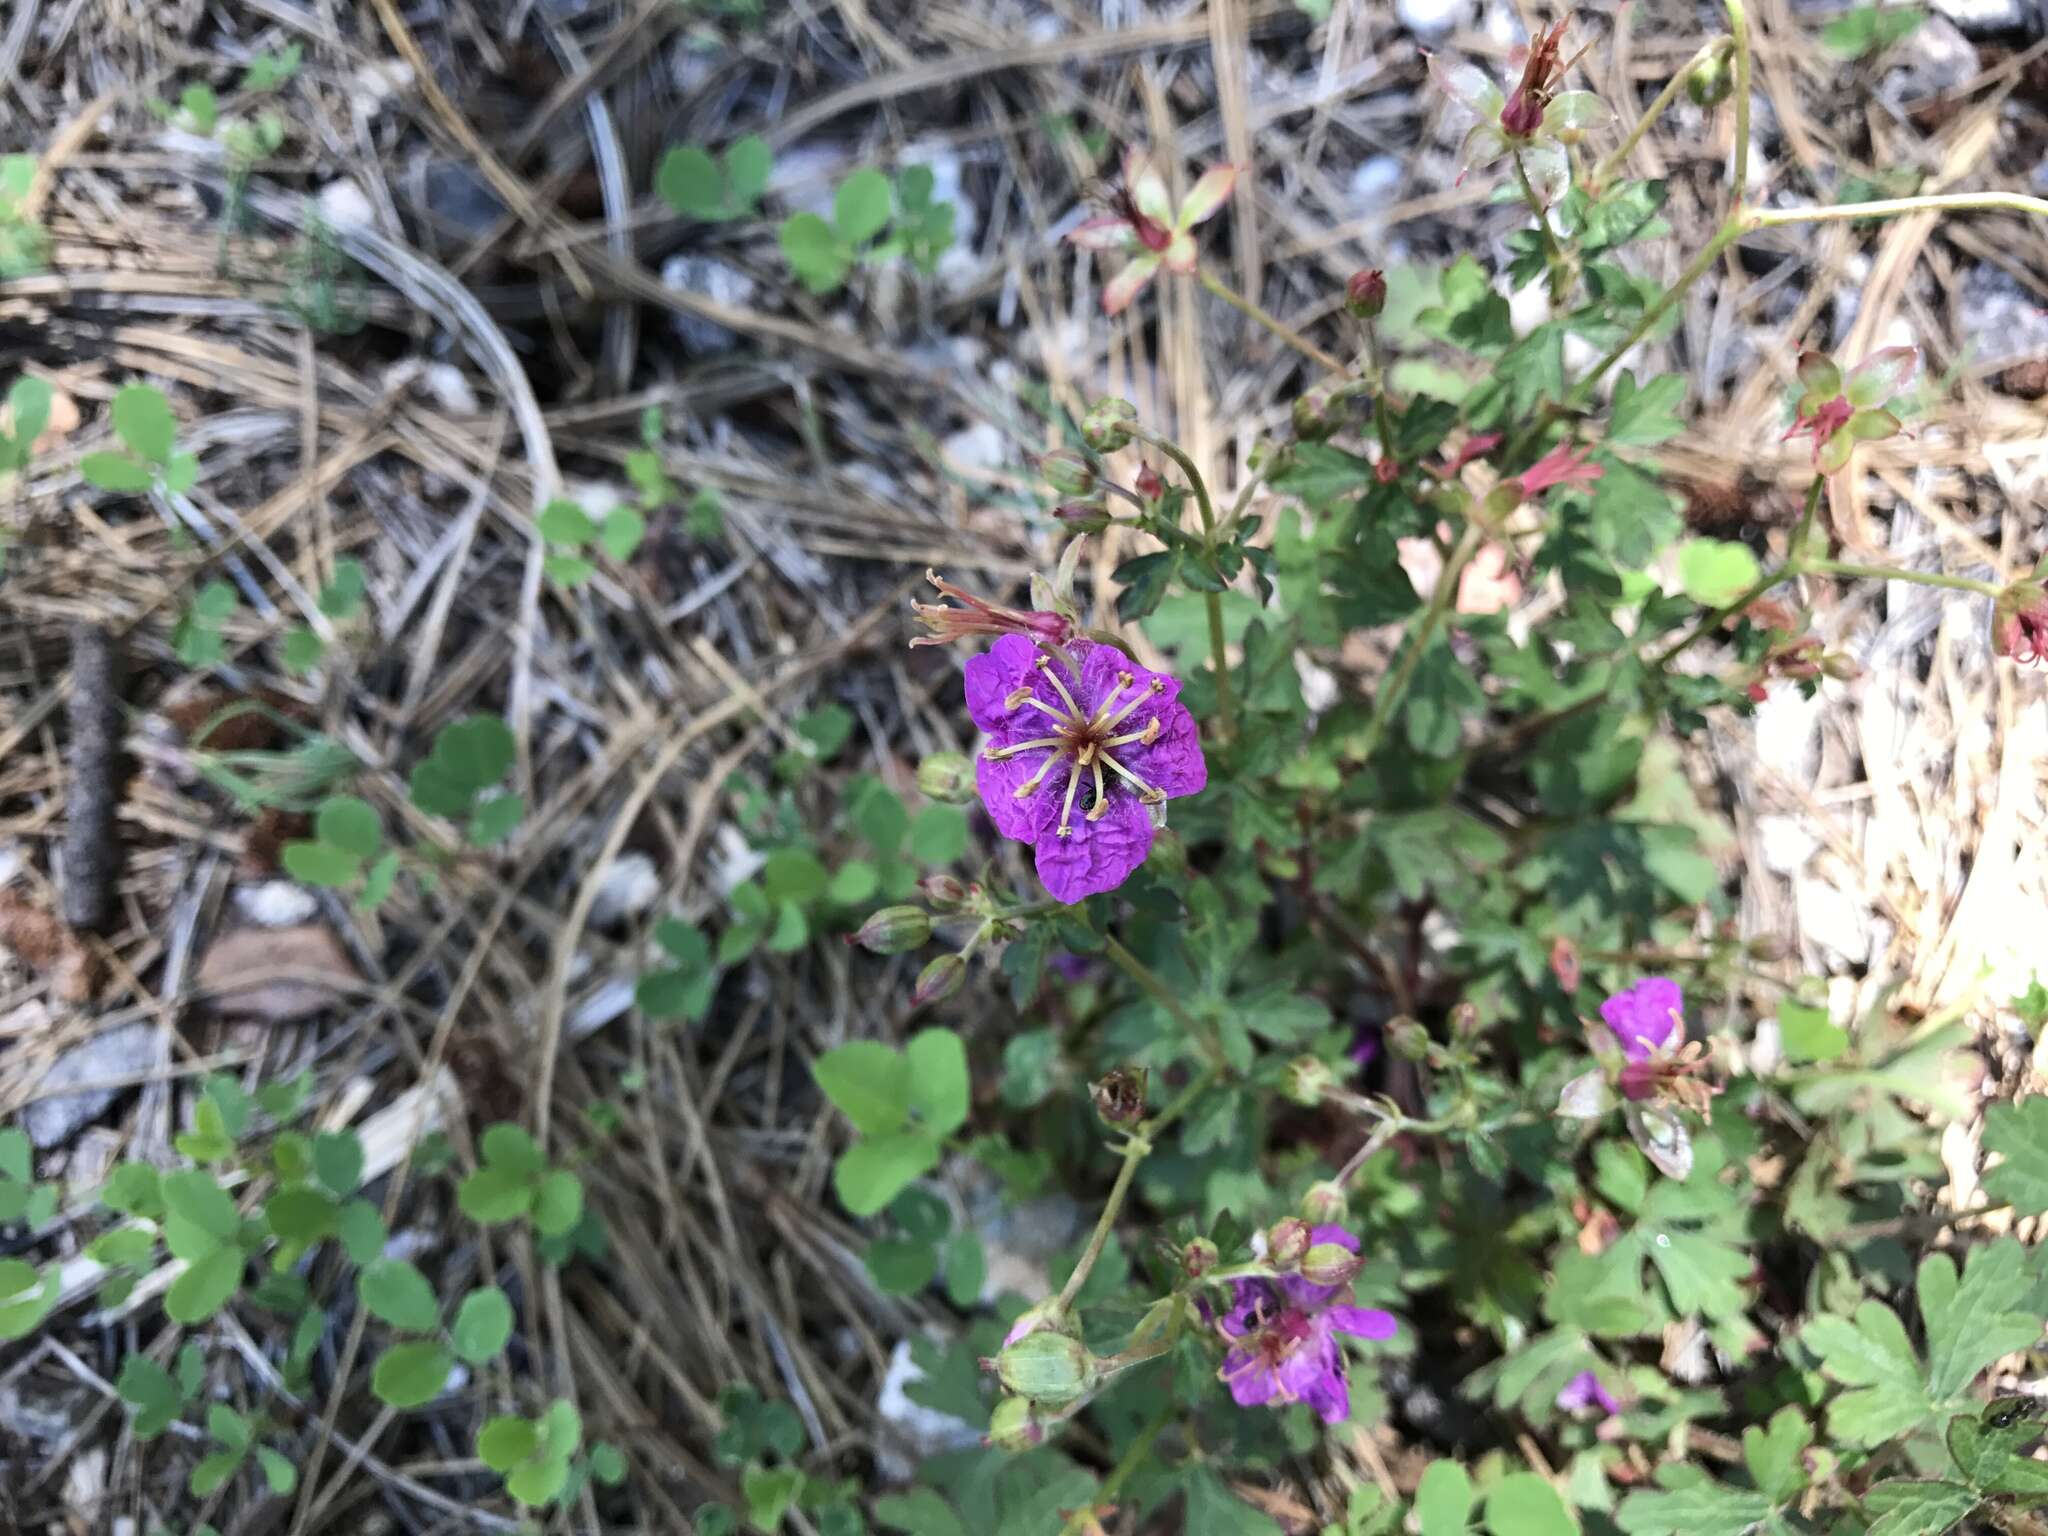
[[1120, 1097], [1199, 1257], [947, 776], [1089, 516], [1711, 80], [894, 930], [1109, 424], [1047, 1367]]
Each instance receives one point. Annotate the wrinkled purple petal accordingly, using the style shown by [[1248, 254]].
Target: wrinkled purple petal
[[998, 782], [1363, 1322], [993, 675], [1330, 1232], [1095, 856], [1584, 1391], [1251, 1381], [1174, 763], [1644, 1016], [1316, 1376]]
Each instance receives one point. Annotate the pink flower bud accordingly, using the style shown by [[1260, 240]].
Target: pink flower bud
[[1365, 295]]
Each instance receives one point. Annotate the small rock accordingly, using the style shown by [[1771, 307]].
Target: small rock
[[1832, 919], [1932, 60], [925, 1431], [626, 889], [243, 973], [1373, 183], [1786, 843], [2001, 317], [54, 1116], [599, 498], [459, 198], [979, 447], [1431, 20], [806, 175], [719, 281], [1985, 18], [275, 904], [443, 383], [378, 82], [1020, 1241], [344, 205]]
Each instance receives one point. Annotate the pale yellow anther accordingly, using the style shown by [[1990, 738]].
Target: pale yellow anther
[[1067, 806], [1117, 719], [1101, 806], [1002, 754], [1016, 696], [1146, 792], [1030, 785], [1044, 665]]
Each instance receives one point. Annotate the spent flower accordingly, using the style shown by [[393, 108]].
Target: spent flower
[[1084, 746], [1533, 122], [2019, 622], [1839, 411], [1283, 1337], [1144, 223], [977, 616], [1561, 466]]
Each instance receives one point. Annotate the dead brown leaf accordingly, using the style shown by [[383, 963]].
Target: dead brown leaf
[[44, 944], [277, 975]]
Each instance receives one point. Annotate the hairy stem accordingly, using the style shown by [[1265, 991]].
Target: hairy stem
[[1738, 32], [1553, 253], [1723, 237], [1269, 320], [1136, 1150], [1651, 113], [1894, 207], [1396, 682], [1219, 650], [1202, 1035], [1901, 573]]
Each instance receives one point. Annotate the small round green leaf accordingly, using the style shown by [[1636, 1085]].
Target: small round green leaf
[[399, 1294], [558, 1203], [205, 1286], [143, 420], [861, 206], [408, 1375], [482, 1324]]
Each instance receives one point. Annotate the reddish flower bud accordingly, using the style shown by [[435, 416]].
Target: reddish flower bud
[[1287, 1242], [1084, 516], [1387, 470], [1365, 295], [2019, 622], [978, 618], [1109, 424], [1564, 963], [1148, 484], [1199, 1257]]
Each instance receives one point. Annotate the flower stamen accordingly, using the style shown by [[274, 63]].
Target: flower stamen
[[1067, 807], [1157, 685], [1030, 785], [1101, 715], [1146, 792], [1003, 754], [1143, 738], [1101, 806], [1044, 665]]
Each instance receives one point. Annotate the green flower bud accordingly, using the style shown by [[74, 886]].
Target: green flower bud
[[1330, 1264], [1408, 1040], [945, 890], [1109, 424], [1711, 80], [893, 930], [947, 776], [1089, 516], [1465, 1022], [1316, 413], [1014, 1426], [1308, 1078], [1325, 1203], [939, 980], [1067, 472], [1287, 1242], [1199, 1257], [1047, 1367]]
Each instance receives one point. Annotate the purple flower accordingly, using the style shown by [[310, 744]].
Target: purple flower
[[1644, 1017], [1285, 1332], [1069, 966], [1365, 1045], [1584, 1391], [1077, 760]]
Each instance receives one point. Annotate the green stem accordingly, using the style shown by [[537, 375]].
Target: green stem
[[1132, 1459], [1205, 1039], [1893, 207], [1219, 649], [1738, 32], [1396, 682], [1723, 237], [1553, 254], [1900, 573], [1651, 113], [1270, 321], [1136, 1150]]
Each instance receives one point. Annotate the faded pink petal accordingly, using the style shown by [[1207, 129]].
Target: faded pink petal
[[1207, 195], [1104, 234], [1489, 583], [1560, 466], [1129, 283], [1147, 188], [1880, 376]]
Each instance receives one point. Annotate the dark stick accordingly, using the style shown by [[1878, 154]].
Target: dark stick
[[92, 852]]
